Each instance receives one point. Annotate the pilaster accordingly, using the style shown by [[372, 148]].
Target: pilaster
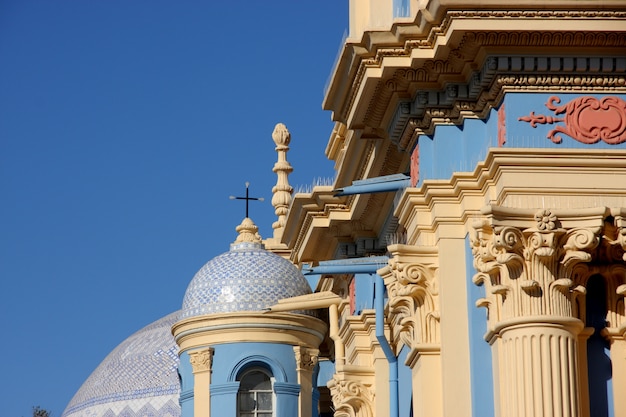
[[306, 360], [201, 362], [412, 282]]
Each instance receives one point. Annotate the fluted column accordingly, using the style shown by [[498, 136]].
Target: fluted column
[[412, 287], [201, 363], [529, 266]]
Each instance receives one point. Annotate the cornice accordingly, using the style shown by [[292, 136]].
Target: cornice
[[382, 77], [564, 178], [213, 329], [318, 222]]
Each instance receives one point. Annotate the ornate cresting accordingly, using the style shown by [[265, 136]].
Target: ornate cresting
[[532, 279], [351, 397], [413, 309]]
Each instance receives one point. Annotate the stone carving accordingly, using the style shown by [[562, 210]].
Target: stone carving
[[282, 190], [587, 119], [530, 272], [413, 302], [201, 360], [306, 359], [351, 398], [248, 232]]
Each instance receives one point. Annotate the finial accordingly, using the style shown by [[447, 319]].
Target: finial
[[248, 232], [247, 197], [281, 200]]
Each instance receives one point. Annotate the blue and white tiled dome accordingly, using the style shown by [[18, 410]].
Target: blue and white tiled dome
[[246, 278], [138, 378]]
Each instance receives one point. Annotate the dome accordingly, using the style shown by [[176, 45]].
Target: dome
[[246, 278], [138, 378]]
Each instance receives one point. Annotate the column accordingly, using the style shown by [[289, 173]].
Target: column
[[530, 265]]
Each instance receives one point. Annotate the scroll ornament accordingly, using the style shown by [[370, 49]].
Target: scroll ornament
[[587, 119], [351, 398]]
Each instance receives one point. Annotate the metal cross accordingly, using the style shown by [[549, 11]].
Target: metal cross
[[247, 197]]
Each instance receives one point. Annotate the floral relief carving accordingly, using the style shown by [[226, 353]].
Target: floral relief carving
[[531, 271], [413, 292], [306, 359], [201, 360], [351, 398], [587, 119]]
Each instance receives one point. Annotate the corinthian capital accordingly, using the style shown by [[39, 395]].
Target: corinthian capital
[[413, 289], [528, 261], [201, 360], [351, 398], [306, 358]]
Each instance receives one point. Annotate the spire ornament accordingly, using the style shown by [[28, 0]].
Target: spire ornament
[[281, 200]]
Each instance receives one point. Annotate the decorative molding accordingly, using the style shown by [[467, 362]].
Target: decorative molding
[[530, 271], [587, 119], [306, 358], [351, 398], [412, 282], [415, 165], [282, 191], [201, 360], [501, 125]]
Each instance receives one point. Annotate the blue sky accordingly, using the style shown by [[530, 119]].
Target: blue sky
[[125, 125]]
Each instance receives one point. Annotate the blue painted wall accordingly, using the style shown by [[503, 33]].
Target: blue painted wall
[[231, 359], [186, 387], [459, 148], [481, 367], [405, 384]]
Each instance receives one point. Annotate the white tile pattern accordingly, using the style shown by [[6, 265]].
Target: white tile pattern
[[139, 377], [246, 278]]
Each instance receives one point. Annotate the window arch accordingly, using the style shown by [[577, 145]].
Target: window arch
[[255, 397]]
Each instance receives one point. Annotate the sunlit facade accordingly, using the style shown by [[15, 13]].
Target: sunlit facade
[[469, 258]]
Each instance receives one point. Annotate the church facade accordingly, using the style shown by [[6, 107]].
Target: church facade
[[468, 260]]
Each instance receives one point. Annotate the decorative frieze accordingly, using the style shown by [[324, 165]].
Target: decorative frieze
[[587, 119]]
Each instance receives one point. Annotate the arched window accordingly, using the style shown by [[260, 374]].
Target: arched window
[[255, 397]]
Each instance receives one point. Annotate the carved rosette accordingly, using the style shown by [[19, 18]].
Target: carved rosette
[[201, 360], [306, 358], [351, 398], [531, 271], [413, 305]]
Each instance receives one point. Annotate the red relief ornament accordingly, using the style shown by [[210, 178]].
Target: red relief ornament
[[415, 166], [587, 119]]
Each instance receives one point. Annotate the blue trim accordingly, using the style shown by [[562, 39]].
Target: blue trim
[[384, 344], [278, 372], [382, 184], [367, 265]]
